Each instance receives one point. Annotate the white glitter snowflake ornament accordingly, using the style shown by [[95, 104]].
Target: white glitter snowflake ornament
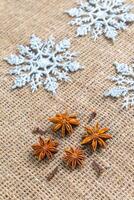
[[101, 17], [43, 63], [124, 84]]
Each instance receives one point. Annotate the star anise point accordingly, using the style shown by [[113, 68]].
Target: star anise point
[[74, 157], [96, 136], [45, 148], [65, 122]]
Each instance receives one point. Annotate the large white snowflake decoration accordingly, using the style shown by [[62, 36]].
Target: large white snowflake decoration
[[43, 63], [101, 17], [124, 84]]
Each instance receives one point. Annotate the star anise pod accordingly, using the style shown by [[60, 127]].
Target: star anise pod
[[74, 157], [64, 122], [96, 136], [45, 148]]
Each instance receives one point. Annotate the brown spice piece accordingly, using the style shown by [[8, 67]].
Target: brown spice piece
[[96, 136], [38, 130], [74, 157], [52, 174], [99, 170], [45, 148], [92, 116], [64, 122]]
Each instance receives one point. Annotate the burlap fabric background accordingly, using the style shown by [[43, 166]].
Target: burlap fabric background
[[22, 177]]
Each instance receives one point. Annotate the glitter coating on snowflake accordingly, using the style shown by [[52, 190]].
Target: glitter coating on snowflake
[[43, 63], [101, 17], [124, 84]]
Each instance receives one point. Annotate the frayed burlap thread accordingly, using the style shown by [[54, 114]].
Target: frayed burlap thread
[[22, 176]]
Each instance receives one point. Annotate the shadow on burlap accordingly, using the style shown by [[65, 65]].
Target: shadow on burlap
[[22, 177]]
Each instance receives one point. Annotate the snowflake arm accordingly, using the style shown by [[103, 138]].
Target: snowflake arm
[[124, 84], [43, 63], [101, 17]]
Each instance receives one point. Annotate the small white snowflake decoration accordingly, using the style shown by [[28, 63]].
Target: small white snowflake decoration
[[101, 17], [43, 63], [124, 84]]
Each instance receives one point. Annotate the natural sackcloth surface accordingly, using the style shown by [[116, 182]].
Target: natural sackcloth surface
[[23, 177]]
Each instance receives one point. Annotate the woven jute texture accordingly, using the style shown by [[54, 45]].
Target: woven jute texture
[[23, 177]]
